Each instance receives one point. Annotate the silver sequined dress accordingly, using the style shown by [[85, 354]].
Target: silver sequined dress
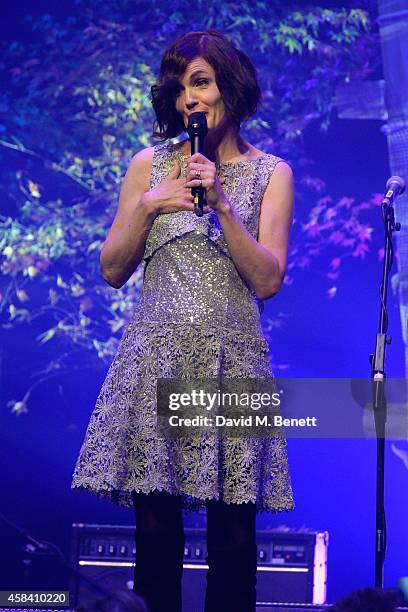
[[196, 317]]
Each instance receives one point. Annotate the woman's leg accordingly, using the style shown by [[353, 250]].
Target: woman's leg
[[232, 557], [159, 550]]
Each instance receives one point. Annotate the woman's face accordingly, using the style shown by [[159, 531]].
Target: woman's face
[[199, 93]]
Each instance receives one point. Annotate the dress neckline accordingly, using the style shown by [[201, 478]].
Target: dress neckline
[[241, 161]]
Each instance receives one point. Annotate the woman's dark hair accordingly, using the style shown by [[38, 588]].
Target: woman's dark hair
[[234, 73]]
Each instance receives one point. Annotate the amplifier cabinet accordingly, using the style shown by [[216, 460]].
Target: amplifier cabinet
[[292, 566]]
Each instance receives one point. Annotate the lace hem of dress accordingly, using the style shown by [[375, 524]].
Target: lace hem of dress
[[189, 502]]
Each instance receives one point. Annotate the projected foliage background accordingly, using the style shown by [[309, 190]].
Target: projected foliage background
[[76, 110]]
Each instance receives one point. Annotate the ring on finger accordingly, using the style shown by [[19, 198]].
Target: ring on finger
[[198, 174]]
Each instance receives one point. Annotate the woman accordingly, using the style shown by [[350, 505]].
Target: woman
[[198, 316]]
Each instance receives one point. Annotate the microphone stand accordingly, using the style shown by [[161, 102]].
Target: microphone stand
[[379, 400]]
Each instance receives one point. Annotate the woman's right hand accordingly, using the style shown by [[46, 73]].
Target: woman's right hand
[[171, 195]]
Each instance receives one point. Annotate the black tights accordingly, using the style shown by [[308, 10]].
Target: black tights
[[231, 546]]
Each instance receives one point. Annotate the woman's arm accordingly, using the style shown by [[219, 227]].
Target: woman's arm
[[262, 263], [124, 247], [125, 244]]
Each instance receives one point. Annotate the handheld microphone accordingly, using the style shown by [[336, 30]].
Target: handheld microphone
[[197, 130], [395, 186]]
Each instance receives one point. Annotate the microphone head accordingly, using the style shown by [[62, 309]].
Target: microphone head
[[197, 124], [396, 180]]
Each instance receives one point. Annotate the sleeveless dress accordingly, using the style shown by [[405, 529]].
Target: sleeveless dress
[[196, 317]]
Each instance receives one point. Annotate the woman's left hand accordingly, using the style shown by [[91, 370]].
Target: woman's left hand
[[208, 179]]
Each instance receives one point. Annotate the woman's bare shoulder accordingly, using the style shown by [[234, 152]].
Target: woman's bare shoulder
[[140, 165], [144, 157]]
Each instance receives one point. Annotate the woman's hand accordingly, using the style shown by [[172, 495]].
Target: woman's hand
[[201, 172], [171, 195]]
